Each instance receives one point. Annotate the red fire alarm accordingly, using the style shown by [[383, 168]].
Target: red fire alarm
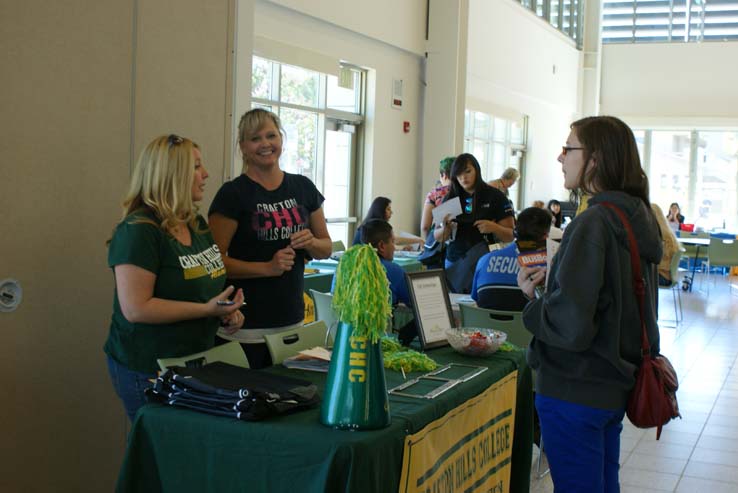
[[406, 127]]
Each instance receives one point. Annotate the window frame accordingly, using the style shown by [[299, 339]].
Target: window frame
[[325, 115]]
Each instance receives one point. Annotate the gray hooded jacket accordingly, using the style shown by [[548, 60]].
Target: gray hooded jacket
[[586, 328]]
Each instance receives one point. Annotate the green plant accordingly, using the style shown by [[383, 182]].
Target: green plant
[[362, 297]]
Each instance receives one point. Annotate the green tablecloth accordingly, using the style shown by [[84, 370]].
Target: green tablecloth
[[320, 282], [178, 450]]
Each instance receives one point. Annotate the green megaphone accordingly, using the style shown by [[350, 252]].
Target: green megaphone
[[356, 391]]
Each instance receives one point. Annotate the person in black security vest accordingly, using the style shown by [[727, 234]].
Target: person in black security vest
[[266, 222], [495, 283], [169, 274]]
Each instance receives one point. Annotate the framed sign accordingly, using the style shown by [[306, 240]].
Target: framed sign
[[431, 306]]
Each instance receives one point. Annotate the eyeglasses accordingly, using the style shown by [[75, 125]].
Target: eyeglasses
[[566, 149], [468, 206], [174, 140]]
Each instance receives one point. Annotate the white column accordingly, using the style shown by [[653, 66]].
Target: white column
[[591, 59], [445, 86]]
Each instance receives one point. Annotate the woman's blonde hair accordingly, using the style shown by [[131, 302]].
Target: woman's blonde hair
[[671, 245], [253, 120], [162, 182]]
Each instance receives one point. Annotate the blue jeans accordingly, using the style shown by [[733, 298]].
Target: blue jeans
[[129, 385], [582, 445]]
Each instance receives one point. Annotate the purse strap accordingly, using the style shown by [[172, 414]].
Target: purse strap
[[635, 267]]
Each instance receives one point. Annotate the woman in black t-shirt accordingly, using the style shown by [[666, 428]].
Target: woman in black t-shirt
[[266, 222], [486, 214]]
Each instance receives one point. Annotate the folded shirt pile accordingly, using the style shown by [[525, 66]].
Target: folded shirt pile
[[227, 390]]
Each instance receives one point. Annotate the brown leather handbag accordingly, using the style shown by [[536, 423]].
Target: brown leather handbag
[[653, 401]]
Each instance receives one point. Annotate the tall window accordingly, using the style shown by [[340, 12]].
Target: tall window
[[321, 115], [564, 15], [697, 169], [498, 144], [642, 21]]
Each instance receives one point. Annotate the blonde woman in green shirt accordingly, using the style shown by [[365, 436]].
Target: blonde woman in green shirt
[[169, 274]]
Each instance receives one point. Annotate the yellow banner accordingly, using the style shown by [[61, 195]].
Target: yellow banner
[[309, 309], [467, 450]]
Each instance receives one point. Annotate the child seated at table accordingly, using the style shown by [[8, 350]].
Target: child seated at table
[[495, 284], [378, 233]]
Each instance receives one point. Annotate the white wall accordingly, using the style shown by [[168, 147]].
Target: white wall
[[398, 23], [391, 156], [518, 62], [675, 83]]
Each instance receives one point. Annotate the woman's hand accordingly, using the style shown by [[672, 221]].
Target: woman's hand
[[282, 261], [443, 230], [232, 323], [302, 239], [529, 278], [216, 310], [485, 226]]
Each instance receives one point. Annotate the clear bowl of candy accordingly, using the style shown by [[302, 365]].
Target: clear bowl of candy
[[475, 341]]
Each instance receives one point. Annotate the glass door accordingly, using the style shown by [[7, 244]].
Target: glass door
[[337, 179]]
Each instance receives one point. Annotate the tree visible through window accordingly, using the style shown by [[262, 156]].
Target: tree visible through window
[[320, 117]]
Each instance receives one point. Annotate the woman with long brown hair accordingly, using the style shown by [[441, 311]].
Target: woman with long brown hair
[[586, 328]]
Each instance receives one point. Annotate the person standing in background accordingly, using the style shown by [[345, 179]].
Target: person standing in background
[[265, 222], [507, 180], [435, 197], [486, 215]]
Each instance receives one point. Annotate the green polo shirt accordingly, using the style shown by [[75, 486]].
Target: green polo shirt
[[184, 273]]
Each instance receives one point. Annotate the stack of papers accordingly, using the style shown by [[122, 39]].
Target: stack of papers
[[315, 359]]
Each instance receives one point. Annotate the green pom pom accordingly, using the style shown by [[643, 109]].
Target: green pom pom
[[397, 357], [361, 296]]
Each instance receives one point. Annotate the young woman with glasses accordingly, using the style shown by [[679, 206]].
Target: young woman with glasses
[[586, 327], [169, 275], [486, 215]]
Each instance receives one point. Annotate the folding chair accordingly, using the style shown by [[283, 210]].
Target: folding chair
[[288, 343], [675, 285], [324, 311], [230, 352]]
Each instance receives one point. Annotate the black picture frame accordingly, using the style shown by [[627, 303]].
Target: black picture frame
[[431, 306]]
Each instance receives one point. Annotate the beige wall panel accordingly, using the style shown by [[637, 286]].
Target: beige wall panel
[[65, 102], [182, 49], [69, 110]]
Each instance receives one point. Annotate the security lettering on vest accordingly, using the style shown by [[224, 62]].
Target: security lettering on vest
[[503, 265]]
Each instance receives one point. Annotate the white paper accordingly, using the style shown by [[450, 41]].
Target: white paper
[[430, 302], [552, 246], [452, 207]]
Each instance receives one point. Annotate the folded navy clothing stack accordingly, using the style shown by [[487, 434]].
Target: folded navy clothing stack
[[227, 390]]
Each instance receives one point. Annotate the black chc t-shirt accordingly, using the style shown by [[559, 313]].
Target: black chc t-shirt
[[266, 220]]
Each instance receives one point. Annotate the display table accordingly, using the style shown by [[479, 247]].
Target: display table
[[319, 281], [179, 450], [407, 264]]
